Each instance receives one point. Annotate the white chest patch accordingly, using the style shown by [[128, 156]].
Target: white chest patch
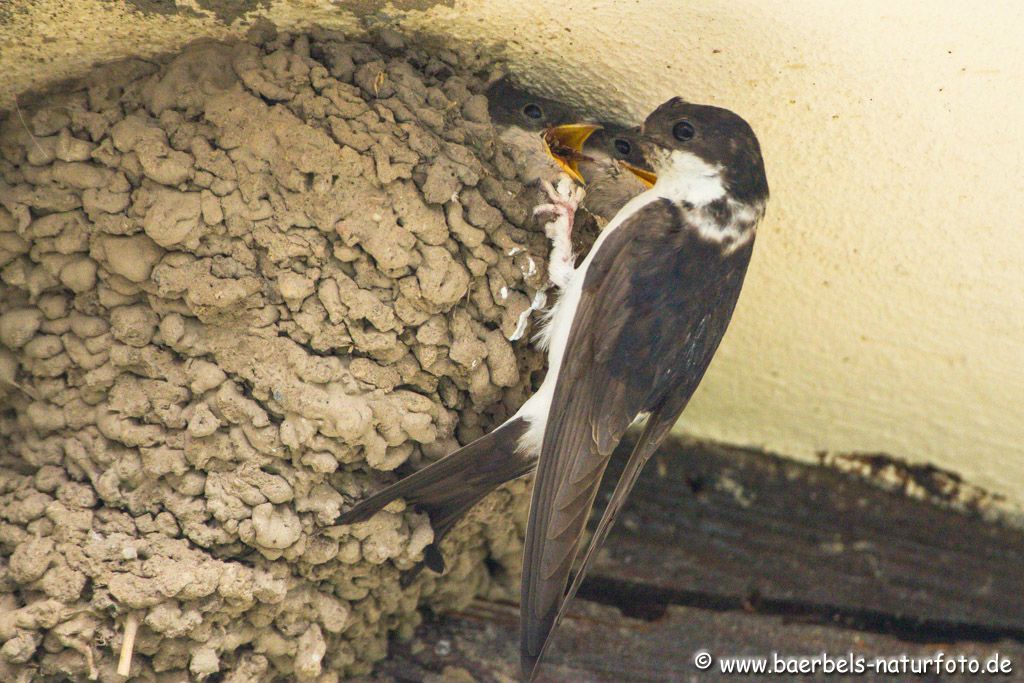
[[686, 178], [734, 232]]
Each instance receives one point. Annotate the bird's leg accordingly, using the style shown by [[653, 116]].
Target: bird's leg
[[565, 199]]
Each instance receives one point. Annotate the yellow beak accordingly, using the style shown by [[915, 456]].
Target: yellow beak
[[646, 177], [565, 145]]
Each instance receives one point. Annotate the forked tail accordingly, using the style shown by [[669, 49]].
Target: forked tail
[[447, 489]]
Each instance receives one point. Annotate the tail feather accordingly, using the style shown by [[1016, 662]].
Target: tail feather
[[447, 489]]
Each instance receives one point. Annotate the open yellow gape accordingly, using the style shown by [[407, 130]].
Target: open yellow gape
[[565, 145]]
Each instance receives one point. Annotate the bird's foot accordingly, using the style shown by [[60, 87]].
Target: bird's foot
[[565, 199]]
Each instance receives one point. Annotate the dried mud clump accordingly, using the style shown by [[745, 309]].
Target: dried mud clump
[[238, 288]]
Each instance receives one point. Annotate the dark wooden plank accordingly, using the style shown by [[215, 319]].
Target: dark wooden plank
[[596, 644], [724, 528], [741, 553]]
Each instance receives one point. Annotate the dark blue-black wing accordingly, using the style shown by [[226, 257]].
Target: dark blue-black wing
[[655, 303]]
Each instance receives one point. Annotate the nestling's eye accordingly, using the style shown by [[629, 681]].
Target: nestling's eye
[[533, 111], [622, 147], [683, 131]]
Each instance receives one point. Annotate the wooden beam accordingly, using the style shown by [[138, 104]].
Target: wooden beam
[[739, 552], [597, 644], [725, 527]]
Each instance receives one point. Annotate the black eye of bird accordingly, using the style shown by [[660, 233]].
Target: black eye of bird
[[683, 131], [623, 147], [533, 111]]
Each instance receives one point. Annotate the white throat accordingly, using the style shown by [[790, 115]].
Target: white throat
[[685, 177]]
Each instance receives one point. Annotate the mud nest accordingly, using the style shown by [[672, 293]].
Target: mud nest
[[239, 287]]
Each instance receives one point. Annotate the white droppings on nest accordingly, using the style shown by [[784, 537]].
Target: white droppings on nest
[[540, 299], [531, 267]]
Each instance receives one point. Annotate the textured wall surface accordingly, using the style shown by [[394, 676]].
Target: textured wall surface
[[237, 290], [885, 306]]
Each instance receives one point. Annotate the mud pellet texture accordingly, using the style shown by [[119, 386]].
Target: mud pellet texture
[[239, 287]]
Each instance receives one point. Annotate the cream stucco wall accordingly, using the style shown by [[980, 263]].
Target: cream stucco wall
[[884, 310]]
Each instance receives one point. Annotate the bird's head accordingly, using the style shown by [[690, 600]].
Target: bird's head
[[705, 147], [511, 105], [621, 145], [528, 120]]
